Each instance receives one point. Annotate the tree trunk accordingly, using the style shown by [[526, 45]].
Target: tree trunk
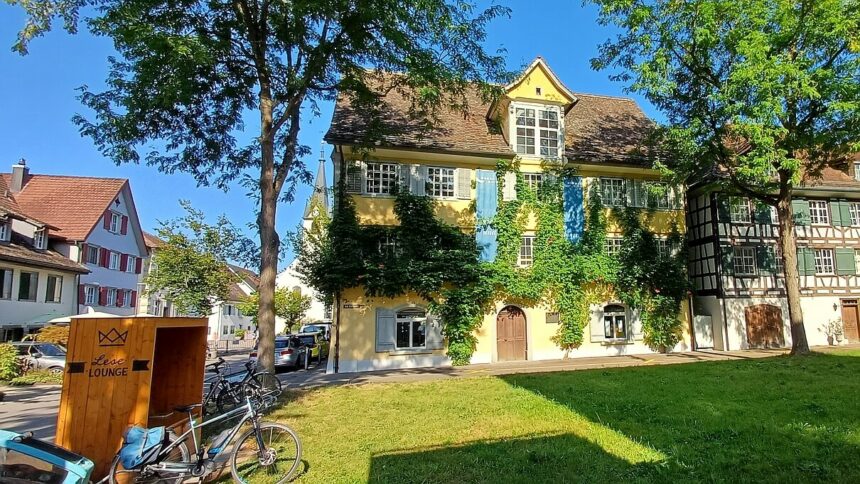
[[269, 242], [788, 246]]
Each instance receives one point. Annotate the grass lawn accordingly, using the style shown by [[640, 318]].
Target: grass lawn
[[777, 420]]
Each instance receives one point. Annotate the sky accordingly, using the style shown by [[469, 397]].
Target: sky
[[38, 97]]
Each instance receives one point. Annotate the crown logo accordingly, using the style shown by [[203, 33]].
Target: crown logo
[[112, 338]]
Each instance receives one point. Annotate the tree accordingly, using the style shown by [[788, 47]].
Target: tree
[[290, 306], [190, 269], [54, 334], [761, 92], [191, 75]]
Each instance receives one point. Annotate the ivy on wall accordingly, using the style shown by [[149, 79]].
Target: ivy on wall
[[423, 255]]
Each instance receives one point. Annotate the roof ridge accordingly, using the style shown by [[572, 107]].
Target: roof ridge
[[607, 96], [45, 175]]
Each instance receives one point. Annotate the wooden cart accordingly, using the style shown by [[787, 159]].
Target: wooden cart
[[122, 371]]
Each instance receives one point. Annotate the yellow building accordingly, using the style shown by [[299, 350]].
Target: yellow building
[[537, 122]]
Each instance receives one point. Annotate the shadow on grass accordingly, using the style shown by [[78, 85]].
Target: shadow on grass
[[779, 419]]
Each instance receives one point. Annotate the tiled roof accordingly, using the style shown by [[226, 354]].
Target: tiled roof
[[597, 128], [72, 204], [23, 252], [152, 241], [248, 277], [7, 201], [834, 176]]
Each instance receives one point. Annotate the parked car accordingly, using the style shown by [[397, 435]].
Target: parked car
[[289, 352], [316, 343], [42, 356], [25, 459], [324, 328]]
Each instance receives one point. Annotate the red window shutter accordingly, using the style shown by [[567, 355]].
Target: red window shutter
[[124, 227], [82, 294], [123, 262], [138, 265], [102, 296], [120, 297], [83, 254], [104, 256], [133, 301], [107, 220]]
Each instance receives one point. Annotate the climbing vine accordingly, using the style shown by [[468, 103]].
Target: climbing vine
[[426, 256]]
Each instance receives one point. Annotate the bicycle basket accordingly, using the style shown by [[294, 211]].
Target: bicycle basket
[[140, 446]]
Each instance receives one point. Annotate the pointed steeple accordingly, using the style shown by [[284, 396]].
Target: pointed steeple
[[319, 197]]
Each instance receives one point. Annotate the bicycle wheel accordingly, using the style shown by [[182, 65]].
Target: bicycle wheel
[[119, 475], [267, 381], [276, 463], [228, 400]]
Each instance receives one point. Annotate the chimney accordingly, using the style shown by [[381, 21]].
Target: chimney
[[20, 174]]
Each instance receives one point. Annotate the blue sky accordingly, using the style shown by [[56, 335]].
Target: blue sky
[[38, 99]]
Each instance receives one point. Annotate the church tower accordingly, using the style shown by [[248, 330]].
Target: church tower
[[318, 201]]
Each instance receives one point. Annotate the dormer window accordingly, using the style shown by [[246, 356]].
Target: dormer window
[[115, 222], [40, 239], [5, 231], [538, 131]]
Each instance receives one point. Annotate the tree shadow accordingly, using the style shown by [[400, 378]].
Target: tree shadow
[[775, 419]]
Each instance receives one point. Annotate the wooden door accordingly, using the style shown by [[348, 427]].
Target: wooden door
[[851, 319], [764, 326], [511, 334]]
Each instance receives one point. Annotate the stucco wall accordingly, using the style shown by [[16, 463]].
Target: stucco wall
[[13, 311]]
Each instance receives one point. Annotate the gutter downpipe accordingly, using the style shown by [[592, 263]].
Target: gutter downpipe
[[337, 202]]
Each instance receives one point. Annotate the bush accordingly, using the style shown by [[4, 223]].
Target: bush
[[38, 376], [240, 333], [54, 334], [9, 367]]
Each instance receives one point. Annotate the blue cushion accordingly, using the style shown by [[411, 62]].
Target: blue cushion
[[140, 446]]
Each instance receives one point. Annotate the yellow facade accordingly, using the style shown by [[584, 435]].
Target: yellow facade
[[358, 313]]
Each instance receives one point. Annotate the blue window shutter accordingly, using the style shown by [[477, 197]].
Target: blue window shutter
[[486, 205], [574, 215]]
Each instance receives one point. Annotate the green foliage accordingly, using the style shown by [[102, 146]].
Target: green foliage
[[191, 268], [9, 367], [290, 306], [239, 333], [54, 334], [38, 376]]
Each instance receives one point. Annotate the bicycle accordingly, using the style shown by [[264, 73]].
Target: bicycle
[[223, 389], [254, 458]]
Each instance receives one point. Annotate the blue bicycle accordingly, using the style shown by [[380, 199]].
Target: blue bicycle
[[265, 452]]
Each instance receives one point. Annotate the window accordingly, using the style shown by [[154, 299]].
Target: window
[[55, 289], [91, 295], [824, 261], [92, 254], [659, 193], [111, 297], [113, 262], [777, 255], [612, 191], [27, 285], [40, 241], [526, 251], [614, 322], [441, 182], [381, 178], [744, 261], [548, 123], [411, 329], [854, 208], [227, 310], [5, 231], [225, 330], [5, 283], [525, 131], [741, 211], [115, 222], [533, 180], [20, 467], [387, 247], [613, 245], [857, 170], [818, 213], [664, 248], [131, 263]]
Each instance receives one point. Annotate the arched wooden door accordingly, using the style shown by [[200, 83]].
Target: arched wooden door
[[511, 334], [764, 326]]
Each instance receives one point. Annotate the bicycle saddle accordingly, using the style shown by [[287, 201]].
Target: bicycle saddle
[[187, 408]]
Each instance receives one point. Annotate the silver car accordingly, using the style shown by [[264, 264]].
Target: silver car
[[42, 356], [289, 352]]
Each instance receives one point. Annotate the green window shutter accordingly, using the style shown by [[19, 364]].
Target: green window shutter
[[841, 213], [801, 212], [724, 213], [806, 261], [728, 263], [845, 262], [762, 213], [765, 260]]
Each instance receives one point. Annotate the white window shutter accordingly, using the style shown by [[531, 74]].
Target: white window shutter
[[355, 177], [385, 330], [418, 179], [509, 191], [464, 183], [560, 132], [404, 175], [596, 329], [636, 324], [433, 331]]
